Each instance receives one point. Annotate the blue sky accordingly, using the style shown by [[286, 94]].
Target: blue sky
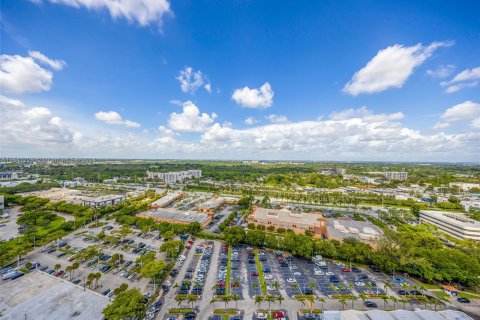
[[314, 80]]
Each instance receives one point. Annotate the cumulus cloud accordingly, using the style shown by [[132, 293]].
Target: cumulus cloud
[[465, 112], [23, 75], [468, 78], [364, 135], [277, 118], [260, 98], [442, 71], [190, 119], [191, 80], [250, 121], [143, 12], [113, 117], [24, 127], [390, 68]]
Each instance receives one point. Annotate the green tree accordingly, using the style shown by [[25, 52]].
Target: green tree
[[127, 304], [234, 235], [123, 287]]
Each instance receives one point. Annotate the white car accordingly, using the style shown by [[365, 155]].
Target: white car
[[268, 277], [291, 280], [261, 315], [182, 257], [341, 265], [360, 284], [319, 273], [167, 283], [297, 274], [329, 273], [270, 288], [293, 267]]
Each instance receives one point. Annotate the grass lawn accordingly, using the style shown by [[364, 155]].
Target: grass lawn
[[263, 286], [54, 224], [464, 294], [229, 265]]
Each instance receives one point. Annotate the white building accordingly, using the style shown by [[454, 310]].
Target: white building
[[454, 224], [8, 175], [2, 202], [393, 175], [464, 185], [176, 176]]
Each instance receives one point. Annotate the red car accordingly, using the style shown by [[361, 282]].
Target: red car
[[221, 284], [59, 273], [278, 315], [345, 269], [254, 274]]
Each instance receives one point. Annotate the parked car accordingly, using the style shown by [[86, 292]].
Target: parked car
[[370, 304]]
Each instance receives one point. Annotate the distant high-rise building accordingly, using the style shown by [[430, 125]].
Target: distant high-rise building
[[393, 175]]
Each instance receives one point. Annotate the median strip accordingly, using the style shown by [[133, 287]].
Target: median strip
[[260, 273]]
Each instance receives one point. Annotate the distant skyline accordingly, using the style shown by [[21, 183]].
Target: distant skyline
[[290, 80]]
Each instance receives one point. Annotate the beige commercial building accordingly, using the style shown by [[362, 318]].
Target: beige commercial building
[[215, 203], [454, 224], [284, 218]]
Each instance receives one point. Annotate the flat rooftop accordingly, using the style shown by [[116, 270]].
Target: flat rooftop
[[286, 215], [166, 199], [176, 215], [349, 228], [453, 218], [40, 296], [215, 202]]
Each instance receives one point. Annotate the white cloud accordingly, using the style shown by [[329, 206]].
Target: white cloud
[[113, 117], [23, 75], [464, 112], [6, 101], [250, 121], [390, 68], [260, 98], [191, 80], [53, 63], [25, 127], [190, 120], [466, 79], [277, 118], [365, 114], [442, 71], [143, 12]]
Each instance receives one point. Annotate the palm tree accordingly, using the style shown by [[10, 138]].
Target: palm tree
[[75, 266], [364, 298], [322, 300], [394, 300], [269, 299], [69, 270], [236, 298], [301, 300], [213, 301], [280, 299], [312, 285], [179, 300], [192, 299], [387, 285], [98, 275], [353, 299], [276, 285], [385, 301], [343, 301], [57, 266], [225, 299], [258, 300], [310, 298]]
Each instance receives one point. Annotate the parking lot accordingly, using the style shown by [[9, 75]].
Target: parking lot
[[113, 273]]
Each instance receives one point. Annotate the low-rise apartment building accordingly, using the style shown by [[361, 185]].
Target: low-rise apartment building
[[284, 218], [454, 224]]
